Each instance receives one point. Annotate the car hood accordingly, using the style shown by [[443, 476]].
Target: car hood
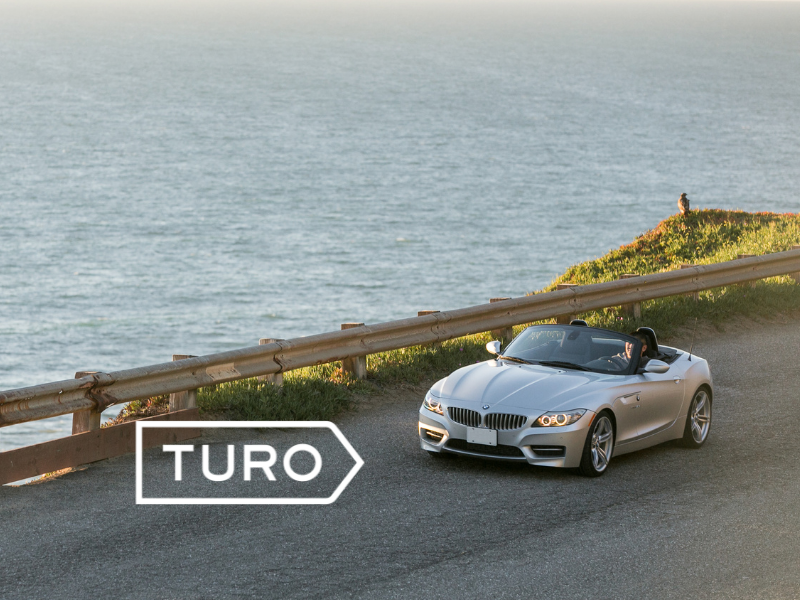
[[504, 384]]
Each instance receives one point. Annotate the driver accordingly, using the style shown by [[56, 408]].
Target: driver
[[624, 358]]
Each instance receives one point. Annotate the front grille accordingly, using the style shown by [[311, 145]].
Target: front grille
[[472, 418], [501, 421], [464, 416], [499, 450], [549, 451]]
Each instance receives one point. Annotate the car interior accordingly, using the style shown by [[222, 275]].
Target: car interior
[[653, 351], [584, 347]]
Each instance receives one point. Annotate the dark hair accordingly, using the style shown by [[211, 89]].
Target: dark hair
[[641, 337]]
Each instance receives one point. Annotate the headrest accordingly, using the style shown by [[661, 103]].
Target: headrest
[[652, 342], [580, 322]]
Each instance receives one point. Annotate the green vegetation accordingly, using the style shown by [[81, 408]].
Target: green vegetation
[[702, 237], [706, 236], [139, 409], [313, 393]]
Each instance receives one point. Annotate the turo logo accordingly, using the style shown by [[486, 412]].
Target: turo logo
[[172, 475]]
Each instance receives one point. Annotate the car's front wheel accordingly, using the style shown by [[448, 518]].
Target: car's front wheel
[[598, 447], [698, 419]]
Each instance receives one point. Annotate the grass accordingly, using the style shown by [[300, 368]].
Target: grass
[[705, 236], [313, 393], [139, 409], [702, 237]]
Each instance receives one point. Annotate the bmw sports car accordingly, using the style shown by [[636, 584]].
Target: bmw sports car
[[570, 396]]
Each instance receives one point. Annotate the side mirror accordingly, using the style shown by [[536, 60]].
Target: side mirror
[[493, 347], [656, 366]]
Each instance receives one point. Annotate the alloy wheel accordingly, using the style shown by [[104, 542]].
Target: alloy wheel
[[700, 416], [602, 443]]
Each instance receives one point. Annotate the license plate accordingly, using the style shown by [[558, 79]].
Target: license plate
[[478, 435]]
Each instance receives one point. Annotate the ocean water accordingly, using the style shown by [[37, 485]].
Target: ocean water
[[189, 177]]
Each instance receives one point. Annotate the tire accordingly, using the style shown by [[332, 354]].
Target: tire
[[698, 419], [599, 446]]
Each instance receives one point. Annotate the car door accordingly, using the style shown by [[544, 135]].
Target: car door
[[628, 409], [661, 400]]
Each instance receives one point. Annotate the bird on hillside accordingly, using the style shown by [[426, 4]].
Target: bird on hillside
[[683, 204]]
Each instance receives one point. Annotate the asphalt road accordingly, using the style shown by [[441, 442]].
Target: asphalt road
[[720, 522]]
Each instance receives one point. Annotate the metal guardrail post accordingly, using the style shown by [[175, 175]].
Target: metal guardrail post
[[506, 334], [85, 420], [356, 365], [795, 276], [565, 319], [273, 378], [633, 309], [186, 399], [694, 295]]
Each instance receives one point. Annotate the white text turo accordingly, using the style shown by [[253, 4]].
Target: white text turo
[[250, 462]]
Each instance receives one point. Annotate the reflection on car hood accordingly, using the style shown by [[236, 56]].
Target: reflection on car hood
[[505, 384]]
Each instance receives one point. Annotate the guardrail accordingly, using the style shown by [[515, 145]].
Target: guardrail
[[89, 395]]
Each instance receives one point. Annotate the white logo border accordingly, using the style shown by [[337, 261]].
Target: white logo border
[[140, 425]]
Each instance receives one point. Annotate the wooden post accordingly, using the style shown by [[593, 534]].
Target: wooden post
[[693, 295], [186, 399], [796, 276], [565, 319], [633, 309], [752, 283], [273, 378], [85, 420], [357, 365], [506, 334]]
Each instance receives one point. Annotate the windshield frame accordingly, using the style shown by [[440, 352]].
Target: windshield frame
[[633, 365]]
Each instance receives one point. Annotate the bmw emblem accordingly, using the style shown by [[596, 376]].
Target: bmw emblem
[[485, 407]]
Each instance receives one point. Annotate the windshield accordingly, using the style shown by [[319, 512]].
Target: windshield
[[572, 346]]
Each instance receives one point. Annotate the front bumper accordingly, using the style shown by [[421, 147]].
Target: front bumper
[[543, 446]]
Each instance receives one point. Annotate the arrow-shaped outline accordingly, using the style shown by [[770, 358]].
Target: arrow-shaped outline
[[140, 425]]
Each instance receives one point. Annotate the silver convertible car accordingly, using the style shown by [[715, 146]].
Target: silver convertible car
[[570, 396]]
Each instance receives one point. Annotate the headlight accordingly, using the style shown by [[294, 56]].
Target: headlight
[[559, 419], [433, 404]]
